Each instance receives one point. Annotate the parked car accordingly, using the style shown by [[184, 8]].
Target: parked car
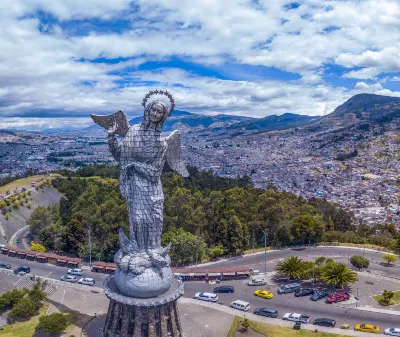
[[338, 297], [75, 271], [69, 278], [88, 281], [241, 305], [257, 282], [263, 293], [210, 297], [267, 312], [5, 265], [23, 269], [319, 295], [288, 288], [393, 332], [2, 245], [325, 322], [224, 289], [303, 292], [296, 317], [367, 328]]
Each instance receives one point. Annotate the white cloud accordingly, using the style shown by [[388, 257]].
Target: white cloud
[[41, 68]]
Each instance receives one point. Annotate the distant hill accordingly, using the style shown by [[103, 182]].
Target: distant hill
[[362, 108], [187, 121], [274, 122], [7, 132]]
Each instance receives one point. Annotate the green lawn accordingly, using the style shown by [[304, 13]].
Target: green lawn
[[23, 182], [278, 331], [24, 329], [394, 300]]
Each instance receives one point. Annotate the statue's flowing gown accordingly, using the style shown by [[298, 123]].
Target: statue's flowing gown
[[141, 155]]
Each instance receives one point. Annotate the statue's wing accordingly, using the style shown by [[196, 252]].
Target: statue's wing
[[174, 154], [107, 121]]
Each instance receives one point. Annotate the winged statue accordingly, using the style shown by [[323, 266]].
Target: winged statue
[[141, 154]]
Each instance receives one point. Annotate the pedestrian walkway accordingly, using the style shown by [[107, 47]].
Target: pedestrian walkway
[[26, 282]]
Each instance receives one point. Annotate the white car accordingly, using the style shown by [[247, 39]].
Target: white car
[[257, 282], [69, 278], [210, 297], [75, 271], [393, 332], [88, 281]]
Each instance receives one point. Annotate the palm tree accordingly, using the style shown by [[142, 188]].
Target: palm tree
[[292, 266], [338, 274]]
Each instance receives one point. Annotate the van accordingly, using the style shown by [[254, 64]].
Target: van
[[241, 305], [288, 288]]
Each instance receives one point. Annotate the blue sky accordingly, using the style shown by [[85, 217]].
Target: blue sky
[[62, 60]]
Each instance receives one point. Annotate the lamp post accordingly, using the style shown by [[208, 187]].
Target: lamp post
[[357, 298], [265, 252], [90, 246]]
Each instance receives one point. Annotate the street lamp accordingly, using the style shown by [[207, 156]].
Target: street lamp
[[90, 246], [265, 252], [357, 299]]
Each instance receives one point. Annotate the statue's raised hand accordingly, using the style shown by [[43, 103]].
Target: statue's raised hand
[[113, 128]]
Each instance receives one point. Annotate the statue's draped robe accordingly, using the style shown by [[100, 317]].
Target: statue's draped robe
[[141, 155]]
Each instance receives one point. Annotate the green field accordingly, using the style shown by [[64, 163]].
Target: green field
[[394, 300], [22, 182], [24, 329], [275, 331]]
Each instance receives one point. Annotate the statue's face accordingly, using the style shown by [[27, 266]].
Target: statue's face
[[156, 113]]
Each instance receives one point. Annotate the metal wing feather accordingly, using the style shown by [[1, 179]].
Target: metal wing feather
[[174, 154], [107, 121]]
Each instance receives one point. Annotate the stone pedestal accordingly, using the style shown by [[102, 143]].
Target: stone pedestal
[[136, 317]]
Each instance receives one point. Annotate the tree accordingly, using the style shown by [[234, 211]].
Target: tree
[[245, 324], [24, 309], [338, 274], [389, 258], [56, 322], [359, 261], [387, 296], [320, 260], [216, 251], [37, 247], [292, 266]]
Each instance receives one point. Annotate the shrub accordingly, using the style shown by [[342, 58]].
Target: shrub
[[37, 247], [56, 322], [24, 309], [359, 261]]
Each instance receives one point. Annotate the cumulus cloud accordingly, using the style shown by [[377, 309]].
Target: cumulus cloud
[[45, 65]]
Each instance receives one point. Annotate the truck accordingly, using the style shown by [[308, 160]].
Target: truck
[[296, 317]]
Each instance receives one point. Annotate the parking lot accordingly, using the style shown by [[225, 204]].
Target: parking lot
[[343, 312]]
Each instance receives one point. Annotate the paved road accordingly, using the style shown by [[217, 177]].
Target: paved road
[[49, 271], [284, 303], [290, 303], [256, 261]]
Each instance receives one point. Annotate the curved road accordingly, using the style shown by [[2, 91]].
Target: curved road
[[284, 303]]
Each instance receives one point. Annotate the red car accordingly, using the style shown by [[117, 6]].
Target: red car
[[338, 297]]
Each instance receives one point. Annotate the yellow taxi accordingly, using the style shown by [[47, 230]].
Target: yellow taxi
[[263, 293], [367, 328]]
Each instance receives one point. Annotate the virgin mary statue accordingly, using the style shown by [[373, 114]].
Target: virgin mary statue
[[143, 264]]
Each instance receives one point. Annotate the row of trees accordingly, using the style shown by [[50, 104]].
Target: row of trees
[[326, 270], [204, 216]]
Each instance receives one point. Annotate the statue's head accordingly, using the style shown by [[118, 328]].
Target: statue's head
[[156, 112]]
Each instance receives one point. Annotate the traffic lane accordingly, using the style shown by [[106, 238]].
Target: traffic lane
[[48, 270], [289, 303]]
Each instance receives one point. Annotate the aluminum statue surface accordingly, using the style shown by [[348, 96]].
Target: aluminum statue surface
[[143, 264]]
